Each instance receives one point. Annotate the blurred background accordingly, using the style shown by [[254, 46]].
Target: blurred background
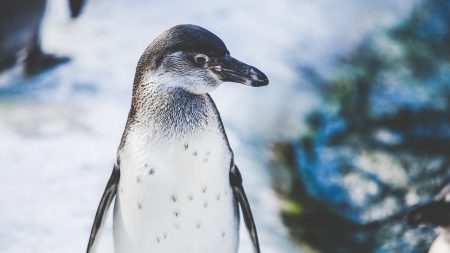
[[352, 131]]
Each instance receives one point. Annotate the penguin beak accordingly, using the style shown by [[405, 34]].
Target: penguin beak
[[229, 69]]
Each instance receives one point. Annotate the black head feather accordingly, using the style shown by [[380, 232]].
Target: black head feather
[[186, 38], [436, 213]]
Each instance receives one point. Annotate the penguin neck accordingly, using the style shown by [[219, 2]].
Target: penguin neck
[[442, 242], [169, 111], [445, 233]]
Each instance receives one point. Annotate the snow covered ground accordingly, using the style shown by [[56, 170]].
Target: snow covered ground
[[59, 131]]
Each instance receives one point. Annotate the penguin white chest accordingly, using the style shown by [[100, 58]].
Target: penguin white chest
[[174, 196], [442, 243]]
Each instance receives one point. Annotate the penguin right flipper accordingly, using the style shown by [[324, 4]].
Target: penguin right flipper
[[239, 192], [105, 202]]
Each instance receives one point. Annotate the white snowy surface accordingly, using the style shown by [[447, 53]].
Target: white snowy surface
[[59, 131]]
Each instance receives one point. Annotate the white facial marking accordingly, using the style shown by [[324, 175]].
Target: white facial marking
[[177, 71]]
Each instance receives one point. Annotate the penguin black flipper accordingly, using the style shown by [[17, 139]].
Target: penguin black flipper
[[238, 189], [75, 7], [105, 202]]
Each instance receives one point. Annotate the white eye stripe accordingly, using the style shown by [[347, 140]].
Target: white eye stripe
[[201, 58]]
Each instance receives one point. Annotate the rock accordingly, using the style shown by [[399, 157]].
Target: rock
[[379, 144]]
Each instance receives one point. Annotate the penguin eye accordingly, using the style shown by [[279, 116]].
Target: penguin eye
[[200, 58]]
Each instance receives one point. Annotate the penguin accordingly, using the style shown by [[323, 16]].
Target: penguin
[[175, 183], [20, 25], [437, 214]]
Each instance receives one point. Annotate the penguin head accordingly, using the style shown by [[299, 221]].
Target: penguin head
[[192, 58], [435, 213]]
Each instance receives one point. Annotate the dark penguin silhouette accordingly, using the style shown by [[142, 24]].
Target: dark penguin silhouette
[[437, 214], [20, 25], [176, 185]]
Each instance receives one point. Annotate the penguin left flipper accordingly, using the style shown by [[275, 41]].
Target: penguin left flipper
[[238, 189], [105, 202]]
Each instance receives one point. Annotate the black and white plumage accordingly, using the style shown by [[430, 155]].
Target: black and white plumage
[[20, 28], [176, 185], [435, 213]]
